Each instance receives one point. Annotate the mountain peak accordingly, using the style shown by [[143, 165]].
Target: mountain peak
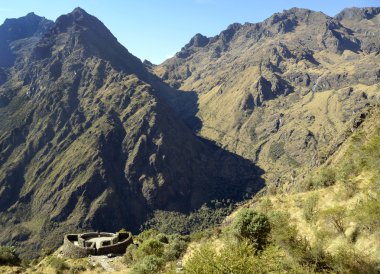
[[198, 40], [358, 14], [297, 15], [30, 20], [79, 10], [85, 35], [30, 25], [77, 17], [31, 14]]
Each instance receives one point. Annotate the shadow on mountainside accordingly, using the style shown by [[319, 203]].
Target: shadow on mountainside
[[184, 103], [247, 177]]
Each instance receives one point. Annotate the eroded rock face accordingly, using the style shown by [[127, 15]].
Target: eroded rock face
[[86, 143]]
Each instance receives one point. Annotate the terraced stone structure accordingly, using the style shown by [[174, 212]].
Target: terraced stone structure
[[95, 243]]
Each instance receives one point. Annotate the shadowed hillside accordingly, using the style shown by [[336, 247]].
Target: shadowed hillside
[[87, 144]]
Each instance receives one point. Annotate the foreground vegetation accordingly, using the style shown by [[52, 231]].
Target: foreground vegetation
[[332, 225]]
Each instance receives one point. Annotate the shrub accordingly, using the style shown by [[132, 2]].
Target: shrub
[[152, 247], [8, 256], [347, 260], [201, 235], [150, 264], [286, 236], [77, 269], [314, 257], [276, 150], [234, 258], [147, 234], [325, 177], [129, 255], [163, 238], [367, 212], [282, 233], [253, 226], [348, 169], [309, 207], [166, 247], [58, 264], [175, 249], [336, 217], [350, 189], [265, 205]]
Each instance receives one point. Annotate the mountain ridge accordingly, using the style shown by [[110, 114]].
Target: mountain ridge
[[290, 63]]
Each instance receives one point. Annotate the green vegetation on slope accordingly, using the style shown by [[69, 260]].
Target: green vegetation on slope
[[332, 226]]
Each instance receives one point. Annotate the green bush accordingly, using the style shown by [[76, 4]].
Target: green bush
[[253, 226], [8, 256], [348, 169], [77, 269], [150, 264], [175, 249], [325, 177], [152, 247], [285, 235], [163, 238], [367, 212], [147, 234], [309, 207], [282, 233], [347, 260], [336, 216], [166, 248], [58, 264], [129, 255]]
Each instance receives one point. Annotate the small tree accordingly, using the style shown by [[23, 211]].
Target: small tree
[[253, 226], [336, 216]]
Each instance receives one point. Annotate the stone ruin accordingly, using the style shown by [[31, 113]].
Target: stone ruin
[[95, 243]]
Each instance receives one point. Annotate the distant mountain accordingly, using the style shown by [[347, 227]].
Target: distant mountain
[[17, 35], [86, 142], [283, 93]]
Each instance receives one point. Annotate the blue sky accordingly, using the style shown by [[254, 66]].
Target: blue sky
[[156, 29]]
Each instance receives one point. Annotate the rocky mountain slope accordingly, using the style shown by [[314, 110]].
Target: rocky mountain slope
[[86, 143], [19, 35], [283, 93]]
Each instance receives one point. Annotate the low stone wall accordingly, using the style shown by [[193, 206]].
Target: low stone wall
[[70, 250], [118, 248]]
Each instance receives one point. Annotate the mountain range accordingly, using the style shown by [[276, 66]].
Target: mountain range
[[93, 138]]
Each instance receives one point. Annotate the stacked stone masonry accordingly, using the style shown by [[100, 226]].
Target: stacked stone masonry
[[95, 243]]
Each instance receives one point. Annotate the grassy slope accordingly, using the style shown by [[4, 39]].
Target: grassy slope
[[354, 200]]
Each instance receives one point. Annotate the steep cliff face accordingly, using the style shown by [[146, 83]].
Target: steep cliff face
[[283, 91], [85, 142]]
